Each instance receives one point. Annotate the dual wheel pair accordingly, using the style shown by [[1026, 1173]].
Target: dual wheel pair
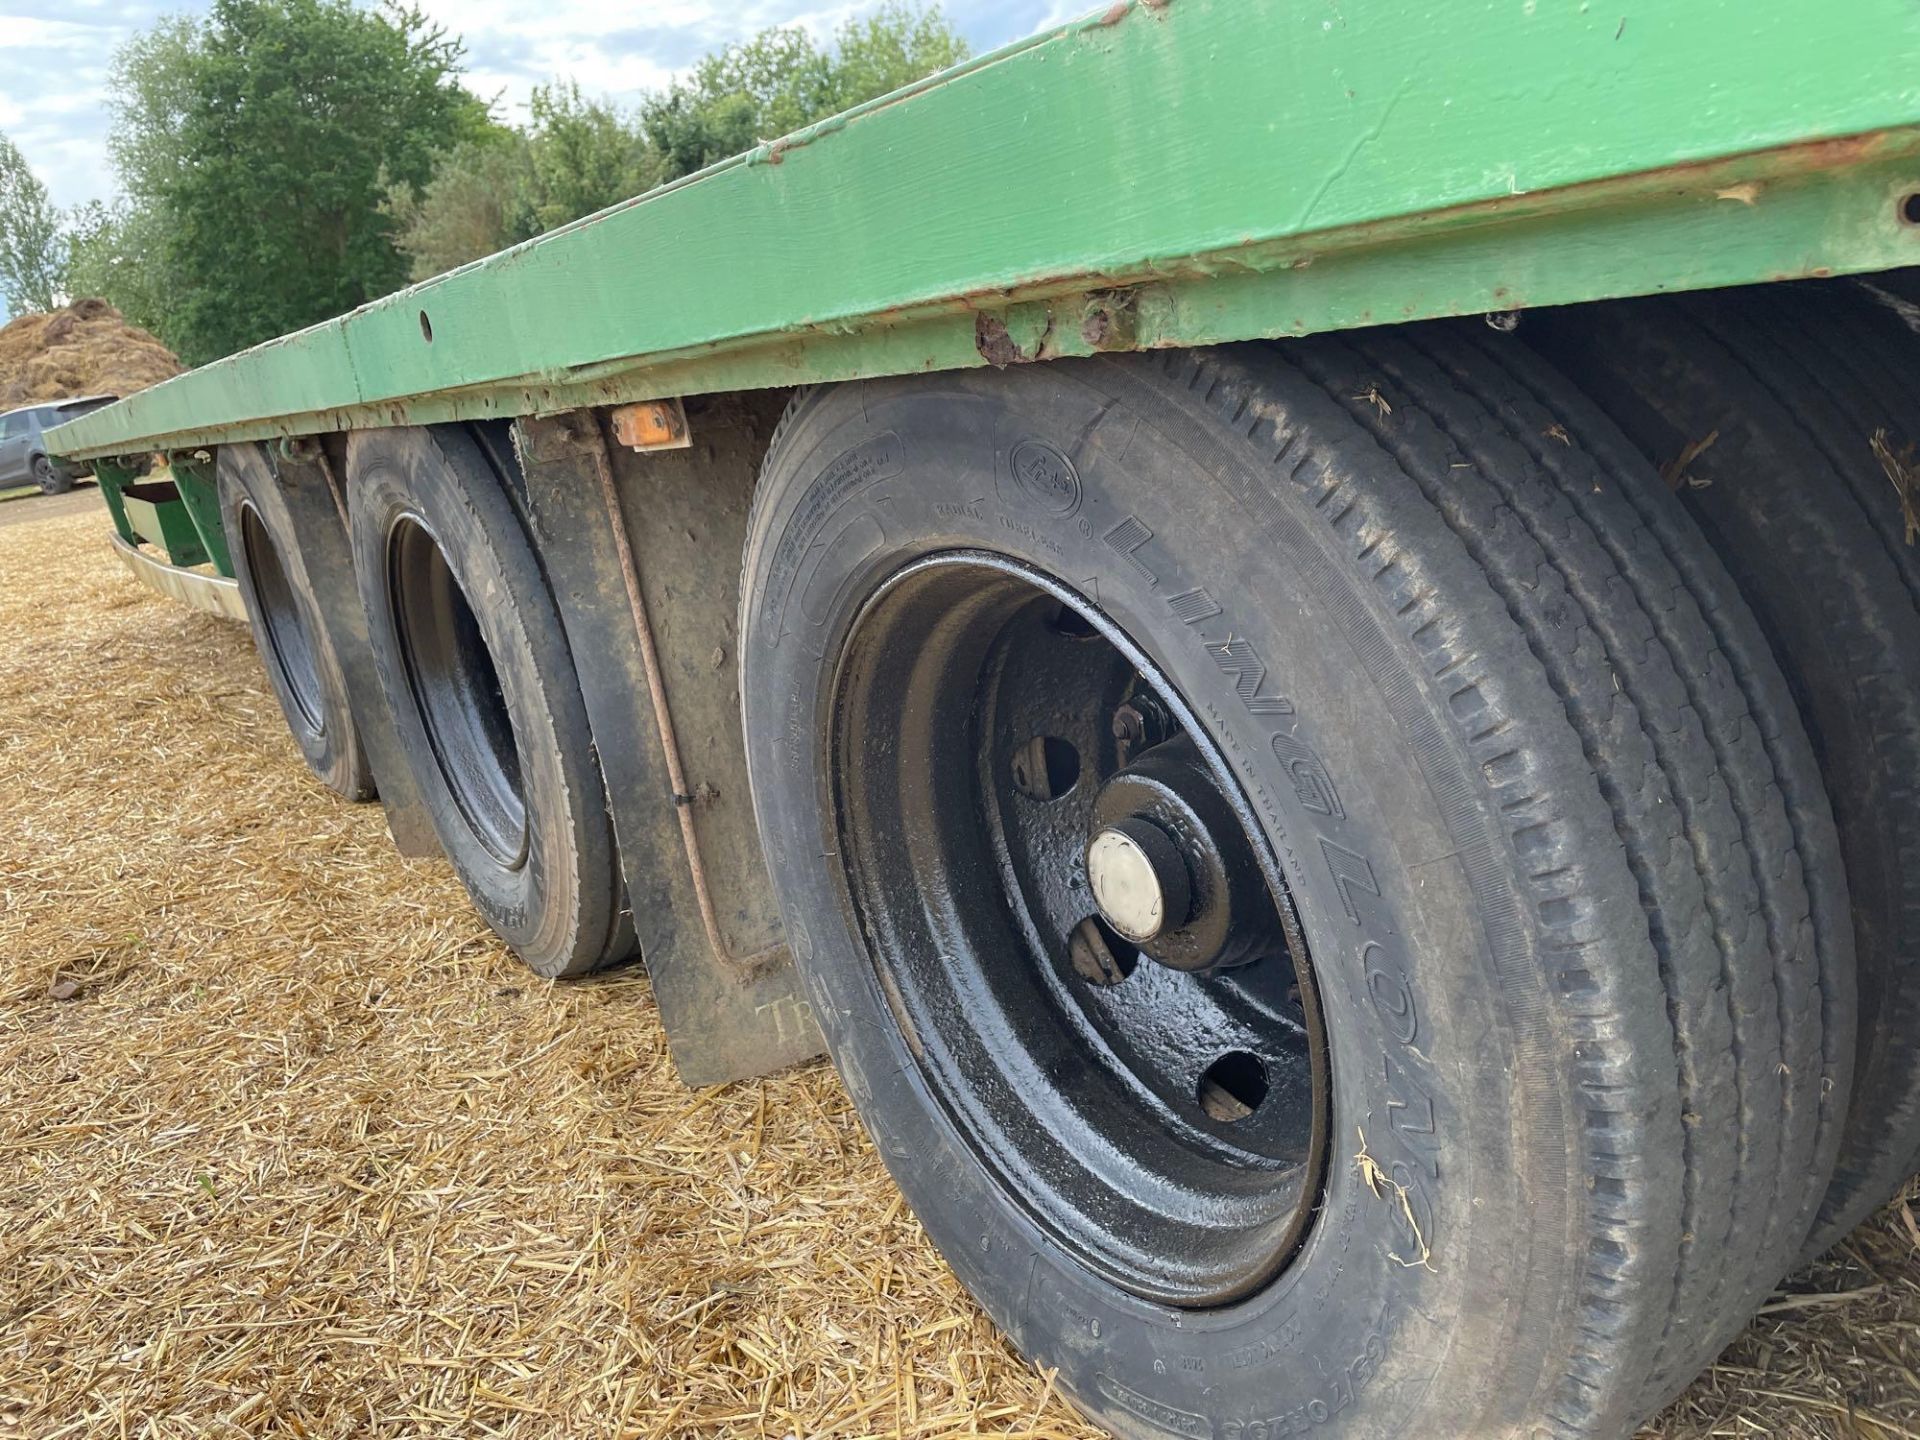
[[475, 669], [1318, 863]]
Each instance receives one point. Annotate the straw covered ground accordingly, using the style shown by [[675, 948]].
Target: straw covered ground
[[304, 1152]]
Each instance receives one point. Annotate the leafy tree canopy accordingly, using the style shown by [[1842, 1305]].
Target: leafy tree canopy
[[578, 156], [781, 80], [575, 157], [32, 247], [295, 118], [282, 161], [119, 250]]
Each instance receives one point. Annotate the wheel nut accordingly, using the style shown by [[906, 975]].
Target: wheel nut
[[1138, 725], [1138, 879]]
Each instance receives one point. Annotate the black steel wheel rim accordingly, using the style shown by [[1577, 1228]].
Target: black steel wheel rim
[[456, 690], [289, 639], [1162, 1118]]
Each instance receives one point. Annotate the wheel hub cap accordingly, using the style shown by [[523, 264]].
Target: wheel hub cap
[[1139, 880]]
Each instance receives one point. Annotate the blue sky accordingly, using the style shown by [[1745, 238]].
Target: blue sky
[[54, 56]]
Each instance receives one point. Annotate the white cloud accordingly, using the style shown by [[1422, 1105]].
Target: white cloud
[[54, 60]]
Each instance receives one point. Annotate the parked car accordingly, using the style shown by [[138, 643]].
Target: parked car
[[23, 451]]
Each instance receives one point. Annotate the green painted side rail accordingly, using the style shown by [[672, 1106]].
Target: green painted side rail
[[1168, 172]]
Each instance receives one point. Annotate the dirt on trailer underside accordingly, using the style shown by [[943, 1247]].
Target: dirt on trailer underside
[[289, 1145]]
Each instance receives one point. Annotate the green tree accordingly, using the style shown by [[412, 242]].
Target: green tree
[[586, 156], [894, 46], [295, 120], [478, 201], [754, 90], [147, 95], [119, 250], [32, 248], [780, 80], [575, 157], [284, 160]]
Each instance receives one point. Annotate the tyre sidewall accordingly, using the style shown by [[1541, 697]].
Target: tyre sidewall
[[332, 749], [1151, 510], [560, 907]]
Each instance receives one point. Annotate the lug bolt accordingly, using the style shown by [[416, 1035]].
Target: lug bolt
[[1139, 724], [1092, 958]]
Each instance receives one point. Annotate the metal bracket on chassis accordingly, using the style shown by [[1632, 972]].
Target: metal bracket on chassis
[[315, 498], [643, 553]]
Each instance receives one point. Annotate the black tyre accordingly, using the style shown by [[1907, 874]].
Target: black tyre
[[474, 662], [51, 478], [1778, 414], [284, 614], [1501, 1106]]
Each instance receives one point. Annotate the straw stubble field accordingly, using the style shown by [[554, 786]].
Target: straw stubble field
[[304, 1151]]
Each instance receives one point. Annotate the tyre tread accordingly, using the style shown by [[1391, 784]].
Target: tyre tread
[[1785, 378], [1685, 772]]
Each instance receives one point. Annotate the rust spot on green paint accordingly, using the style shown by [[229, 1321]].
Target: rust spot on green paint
[[995, 345], [1018, 336], [1111, 321], [1117, 11]]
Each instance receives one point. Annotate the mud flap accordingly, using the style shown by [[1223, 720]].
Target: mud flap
[[649, 609]]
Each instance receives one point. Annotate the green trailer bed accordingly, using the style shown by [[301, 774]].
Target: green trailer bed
[[1158, 175]]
